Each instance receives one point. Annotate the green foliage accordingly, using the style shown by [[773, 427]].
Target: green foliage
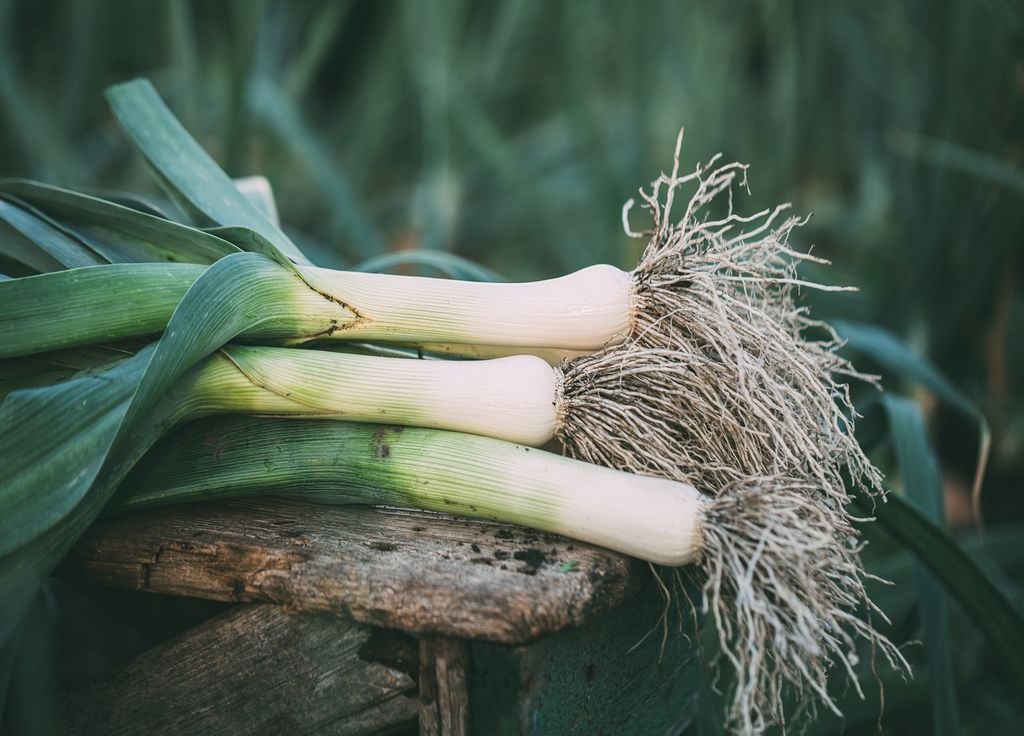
[[186, 172], [115, 232], [108, 302]]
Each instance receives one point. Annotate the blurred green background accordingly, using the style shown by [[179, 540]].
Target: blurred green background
[[511, 133]]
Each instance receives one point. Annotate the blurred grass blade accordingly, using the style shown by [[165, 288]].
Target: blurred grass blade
[[917, 462], [120, 234], [897, 357], [988, 607], [33, 228], [55, 310], [449, 264], [323, 28], [346, 212], [190, 176], [949, 155], [923, 483]]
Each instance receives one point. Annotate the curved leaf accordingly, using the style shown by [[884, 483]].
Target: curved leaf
[[988, 607], [122, 421], [923, 484], [120, 234], [190, 177], [896, 356], [83, 305], [53, 441]]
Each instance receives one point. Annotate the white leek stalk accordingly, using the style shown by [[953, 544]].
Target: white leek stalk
[[515, 398], [441, 350], [585, 310]]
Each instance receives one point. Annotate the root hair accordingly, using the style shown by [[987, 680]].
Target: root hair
[[784, 583], [726, 383], [724, 376]]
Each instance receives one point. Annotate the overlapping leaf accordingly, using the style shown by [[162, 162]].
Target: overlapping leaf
[[51, 496], [85, 305], [37, 242], [118, 233]]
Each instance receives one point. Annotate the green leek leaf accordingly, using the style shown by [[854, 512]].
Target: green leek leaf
[[188, 174], [95, 304], [113, 422], [118, 233], [33, 229]]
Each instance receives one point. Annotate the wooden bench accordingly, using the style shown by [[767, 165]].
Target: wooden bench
[[372, 621]]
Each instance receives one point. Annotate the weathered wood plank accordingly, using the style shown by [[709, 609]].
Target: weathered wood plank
[[254, 670], [417, 572], [622, 674], [444, 687]]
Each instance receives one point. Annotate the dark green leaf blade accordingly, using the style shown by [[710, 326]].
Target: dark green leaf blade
[[230, 297], [896, 356], [33, 228], [923, 484], [52, 367], [189, 174], [120, 234], [54, 441], [984, 602]]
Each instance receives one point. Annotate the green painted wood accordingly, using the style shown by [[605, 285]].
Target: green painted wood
[[615, 675]]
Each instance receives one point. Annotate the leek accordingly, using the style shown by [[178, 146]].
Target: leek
[[117, 301], [651, 518]]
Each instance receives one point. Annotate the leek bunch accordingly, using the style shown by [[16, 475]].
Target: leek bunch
[[723, 429]]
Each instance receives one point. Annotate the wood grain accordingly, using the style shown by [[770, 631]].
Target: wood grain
[[444, 687], [417, 572], [252, 670]]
